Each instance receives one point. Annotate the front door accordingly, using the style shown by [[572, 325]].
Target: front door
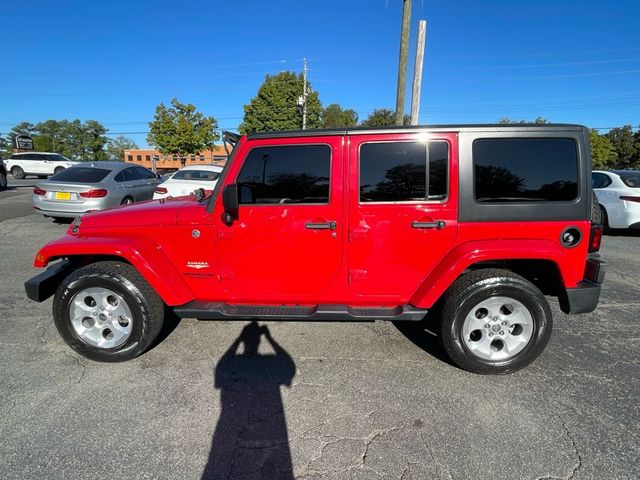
[[287, 241], [402, 210]]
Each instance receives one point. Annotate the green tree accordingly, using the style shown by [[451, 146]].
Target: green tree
[[603, 154], [537, 121], [116, 147], [382, 117], [94, 140], [334, 116], [181, 130], [275, 106], [622, 140]]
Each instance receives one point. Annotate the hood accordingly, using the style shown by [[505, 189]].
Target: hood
[[152, 212]]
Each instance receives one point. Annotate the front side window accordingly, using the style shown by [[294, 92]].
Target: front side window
[[286, 174], [404, 171], [525, 170], [56, 157]]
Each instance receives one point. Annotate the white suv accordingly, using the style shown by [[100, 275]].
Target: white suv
[[41, 164]]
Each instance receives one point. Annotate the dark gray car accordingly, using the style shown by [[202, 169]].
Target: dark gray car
[[92, 186]]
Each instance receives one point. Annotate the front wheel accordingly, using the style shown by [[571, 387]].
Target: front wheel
[[494, 322], [107, 312]]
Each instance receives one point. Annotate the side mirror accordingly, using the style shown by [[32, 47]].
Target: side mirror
[[230, 204]]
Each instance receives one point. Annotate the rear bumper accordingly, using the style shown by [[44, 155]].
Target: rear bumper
[[585, 297], [45, 284]]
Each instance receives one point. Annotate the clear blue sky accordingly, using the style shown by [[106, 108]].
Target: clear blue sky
[[566, 60]]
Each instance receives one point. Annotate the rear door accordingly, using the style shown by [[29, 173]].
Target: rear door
[[149, 180], [402, 209]]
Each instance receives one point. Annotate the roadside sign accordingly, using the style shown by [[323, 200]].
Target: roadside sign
[[23, 142]]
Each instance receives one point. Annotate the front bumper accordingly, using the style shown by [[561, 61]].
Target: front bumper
[[585, 297], [45, 284]]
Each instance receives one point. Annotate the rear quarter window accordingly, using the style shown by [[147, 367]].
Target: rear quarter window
[[525, 170], [631, 180]]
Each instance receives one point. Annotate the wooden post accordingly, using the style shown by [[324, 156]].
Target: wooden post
[[402, 63], [417, 73]]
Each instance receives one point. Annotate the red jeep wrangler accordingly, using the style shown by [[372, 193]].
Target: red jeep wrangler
[[478, 223]]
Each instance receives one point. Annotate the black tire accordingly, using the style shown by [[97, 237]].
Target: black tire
[[3, 181], [147, 309], [17, 172], [57, 170], [596, 210], [467, 293], [604, 219], [127, 201]]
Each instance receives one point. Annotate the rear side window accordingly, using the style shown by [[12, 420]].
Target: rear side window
[[144, 173], [600, 180], [206, 175], [403, 171], [525, 170], [631, 179], [286, 174], [127, 175], [81, 175]]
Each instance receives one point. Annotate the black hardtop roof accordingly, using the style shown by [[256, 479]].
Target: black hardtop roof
[[409, 129]]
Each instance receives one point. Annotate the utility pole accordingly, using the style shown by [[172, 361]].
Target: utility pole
[[402, 64], [304, 96], [417, 73]]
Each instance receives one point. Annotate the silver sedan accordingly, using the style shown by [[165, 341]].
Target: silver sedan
[[88, 187]]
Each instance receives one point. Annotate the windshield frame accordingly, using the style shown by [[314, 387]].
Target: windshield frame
[[223, 175]]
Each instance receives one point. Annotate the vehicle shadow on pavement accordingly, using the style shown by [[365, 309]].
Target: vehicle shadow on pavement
[[250, 439], [424, 335]]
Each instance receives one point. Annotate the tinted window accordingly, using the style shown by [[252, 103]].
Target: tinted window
[[81, 175], [394, 172], [525, 169], [438, 170], [205, 175], [56, 157], [631, 179], [139, 158], [130, 158], [600, 180], [291, 174], [144, 173], [126, 175]]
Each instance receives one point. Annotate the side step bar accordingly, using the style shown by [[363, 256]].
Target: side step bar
[[223, 311]]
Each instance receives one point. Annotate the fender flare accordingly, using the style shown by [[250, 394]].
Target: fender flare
[[465, 255], [145, 256]]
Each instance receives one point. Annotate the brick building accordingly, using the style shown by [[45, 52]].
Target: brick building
[[167, 163]]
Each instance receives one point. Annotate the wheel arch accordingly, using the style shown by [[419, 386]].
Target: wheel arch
[[546, 269], [145, 257]]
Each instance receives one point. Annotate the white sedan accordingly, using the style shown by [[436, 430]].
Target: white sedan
[[188, 179], [618, 193]]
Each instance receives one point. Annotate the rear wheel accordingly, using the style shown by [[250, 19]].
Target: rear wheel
[[17, 172], [126, 201], [494, 322], [58, 170], [107, 312], [605, 220]]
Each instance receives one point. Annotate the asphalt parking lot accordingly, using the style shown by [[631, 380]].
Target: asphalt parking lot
[[334, 401]]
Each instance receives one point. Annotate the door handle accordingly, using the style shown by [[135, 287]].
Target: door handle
[[321, 226], [423, 225]]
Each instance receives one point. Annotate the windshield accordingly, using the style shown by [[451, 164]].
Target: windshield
[[197, 175], [631, 179], [81, 175]]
